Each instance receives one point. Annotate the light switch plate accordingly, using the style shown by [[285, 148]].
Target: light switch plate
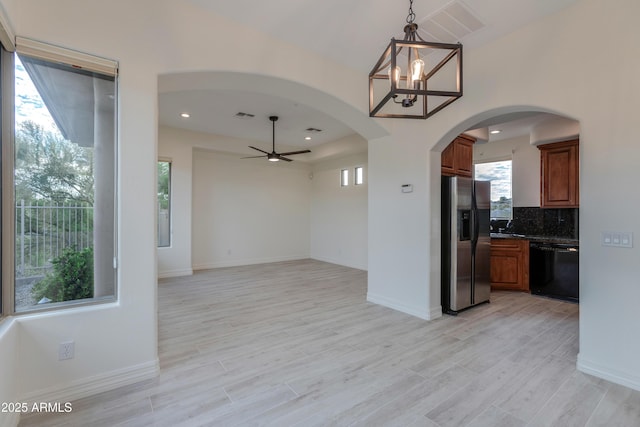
[[621, 239]]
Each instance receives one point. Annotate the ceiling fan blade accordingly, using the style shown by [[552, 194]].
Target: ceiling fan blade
[[284, 158], [252, 157], [262, 151], [290, 153]]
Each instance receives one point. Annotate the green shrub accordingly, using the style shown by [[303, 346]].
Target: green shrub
[[71, 279]]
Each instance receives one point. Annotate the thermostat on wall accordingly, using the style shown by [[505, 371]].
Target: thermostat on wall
[[407, 188]]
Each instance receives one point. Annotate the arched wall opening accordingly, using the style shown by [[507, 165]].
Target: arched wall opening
[[494, 114], [189, 249], [561, 126], [212, 81]]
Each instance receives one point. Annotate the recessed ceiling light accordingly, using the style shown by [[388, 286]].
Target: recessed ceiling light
[[495, 132], [185, 115], [307, 138]]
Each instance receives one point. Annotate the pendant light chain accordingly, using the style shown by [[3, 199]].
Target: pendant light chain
[[412, 15]]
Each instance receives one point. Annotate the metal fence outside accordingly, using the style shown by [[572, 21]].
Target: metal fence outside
[[44, 229]]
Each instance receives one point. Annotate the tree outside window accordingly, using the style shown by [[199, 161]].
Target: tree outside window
[[164, 204], [64, 183]]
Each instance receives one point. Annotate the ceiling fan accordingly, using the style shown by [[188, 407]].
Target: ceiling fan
[[273, 156]]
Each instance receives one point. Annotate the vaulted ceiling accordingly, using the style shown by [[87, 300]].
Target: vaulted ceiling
[[350, 32]]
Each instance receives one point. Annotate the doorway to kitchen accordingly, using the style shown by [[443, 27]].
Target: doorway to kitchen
[[531, 159]]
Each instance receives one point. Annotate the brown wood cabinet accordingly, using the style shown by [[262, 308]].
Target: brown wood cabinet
[[559, 175], [510, 264], [457, 158]]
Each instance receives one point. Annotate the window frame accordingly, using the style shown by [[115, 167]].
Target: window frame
[[73, 59], [169, 209], [498, 160], [344, 177], [7, 79], [355, 175]]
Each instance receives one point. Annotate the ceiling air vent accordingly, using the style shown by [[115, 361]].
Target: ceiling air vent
[[313, 130], [242, 115], [451, 23]]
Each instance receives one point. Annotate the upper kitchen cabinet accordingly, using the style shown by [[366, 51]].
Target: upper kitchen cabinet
[[559, 175], [457, 158]]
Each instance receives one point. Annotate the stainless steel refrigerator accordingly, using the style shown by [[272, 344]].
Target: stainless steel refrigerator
[[466, 243]]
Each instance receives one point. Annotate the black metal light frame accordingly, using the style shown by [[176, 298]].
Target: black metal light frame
[[416, 107]]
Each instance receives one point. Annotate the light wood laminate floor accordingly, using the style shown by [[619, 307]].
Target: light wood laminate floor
[[296, 344]]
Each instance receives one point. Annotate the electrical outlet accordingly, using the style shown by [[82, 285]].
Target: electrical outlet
[[66, 350]]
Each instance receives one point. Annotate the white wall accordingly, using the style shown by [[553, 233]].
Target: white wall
[[339, 214], [104, 335], [542, 67], [248, 211], [175, 145], [9, 364], [117, 343], [525, 167], [401, 232], [233, 199], [547, 65]]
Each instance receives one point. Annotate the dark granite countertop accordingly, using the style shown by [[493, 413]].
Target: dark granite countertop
[[545, 239]]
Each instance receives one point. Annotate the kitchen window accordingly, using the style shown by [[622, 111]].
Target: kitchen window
[[499, 173]]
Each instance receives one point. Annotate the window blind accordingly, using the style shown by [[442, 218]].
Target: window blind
[[51, 53]]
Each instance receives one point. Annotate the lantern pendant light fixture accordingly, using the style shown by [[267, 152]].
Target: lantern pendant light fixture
[[414, 78]]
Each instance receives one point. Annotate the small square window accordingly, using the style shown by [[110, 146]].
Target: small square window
[[344, 177], [359, 175]]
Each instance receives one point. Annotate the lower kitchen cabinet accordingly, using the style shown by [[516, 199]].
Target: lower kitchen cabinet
[[510, 264]]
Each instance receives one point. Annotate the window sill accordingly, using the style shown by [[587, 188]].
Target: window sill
[[63, 307]]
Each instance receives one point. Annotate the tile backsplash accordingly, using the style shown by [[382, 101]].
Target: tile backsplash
[[545, 222]]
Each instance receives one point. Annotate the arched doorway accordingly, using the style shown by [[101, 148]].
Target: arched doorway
[[269, 91], [518, 132]]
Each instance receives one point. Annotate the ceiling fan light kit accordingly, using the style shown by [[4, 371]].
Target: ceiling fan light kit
[[273, 156], [414, 79]]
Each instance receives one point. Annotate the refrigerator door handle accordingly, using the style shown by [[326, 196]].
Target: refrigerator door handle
[[476, 225]]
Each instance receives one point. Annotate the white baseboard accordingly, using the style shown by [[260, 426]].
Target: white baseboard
[[86, 387], [435, 312], [175, 273], [420, 312], [10, 419], [250, 261], [339, 262], [608, 373]]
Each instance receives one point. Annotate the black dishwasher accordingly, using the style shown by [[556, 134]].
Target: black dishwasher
[[553, 270]]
